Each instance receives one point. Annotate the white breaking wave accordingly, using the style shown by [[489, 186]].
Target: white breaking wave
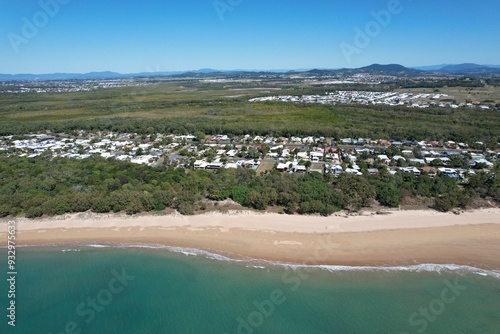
[[262, 264]]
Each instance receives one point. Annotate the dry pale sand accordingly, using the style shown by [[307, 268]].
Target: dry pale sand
[[397, 238]]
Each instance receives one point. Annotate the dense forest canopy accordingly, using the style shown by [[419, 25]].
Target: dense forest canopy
[[40, 186]]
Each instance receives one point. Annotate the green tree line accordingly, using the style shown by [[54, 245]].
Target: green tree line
[[40, 186]]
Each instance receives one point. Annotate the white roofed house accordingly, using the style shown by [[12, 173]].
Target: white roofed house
[[302, 155], [308, 140], [413, 170], [145, 146], [215, 165], [384, 158], [273, 155], [258, 139], [107, 155], [283, 167], [232, 153], [200, 164], [418, 161], [300, 169], [350, 157], [353, 171], [276, 148], [361, 150], [316, 156], [185, 137], [141, 159], [485, 162], [337, 169], [232, 165]]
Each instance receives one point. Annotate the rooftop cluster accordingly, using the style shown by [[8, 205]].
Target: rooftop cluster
[[66, 86], [263, 153], [372, 98]]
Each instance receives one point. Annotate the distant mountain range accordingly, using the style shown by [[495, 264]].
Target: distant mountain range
[[391, 69], [467, 68], [82, 76]]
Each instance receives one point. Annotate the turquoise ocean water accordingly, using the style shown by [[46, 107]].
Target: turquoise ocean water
[[89, 289]]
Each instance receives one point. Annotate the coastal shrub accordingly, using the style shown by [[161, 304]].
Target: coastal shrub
[[445, 203], [163, 198], [271, 195], [256, 200], [97, 184], [113, 184], [134, 205], [288, 199], [101, 205], [451, 200], [186, 208], [79, 202], [311, 207], [50, 207], [353, 192], [147, 201], [387, 194], [239, 193], [34, 212], [290, 208], [218, 194], [5, 210], [328, 210]]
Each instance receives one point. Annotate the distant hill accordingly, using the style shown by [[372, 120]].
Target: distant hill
[[430, 67], [391, 68], [465, 68]]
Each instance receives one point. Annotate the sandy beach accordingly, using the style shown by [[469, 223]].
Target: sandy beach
[[390, 239]]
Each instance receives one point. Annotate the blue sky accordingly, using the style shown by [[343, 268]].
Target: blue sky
[[162, 35]]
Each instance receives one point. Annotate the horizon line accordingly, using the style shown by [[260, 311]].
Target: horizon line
[[245, 70]]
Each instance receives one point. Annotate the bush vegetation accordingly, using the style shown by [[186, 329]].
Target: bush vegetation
[[40, 186]]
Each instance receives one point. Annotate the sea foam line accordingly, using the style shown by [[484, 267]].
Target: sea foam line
[[261, 264]]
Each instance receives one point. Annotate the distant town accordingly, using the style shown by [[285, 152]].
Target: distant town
[[371, 98], [66, 86]]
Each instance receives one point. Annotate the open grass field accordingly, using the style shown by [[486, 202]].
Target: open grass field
[[193, 105], [265, 166]]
